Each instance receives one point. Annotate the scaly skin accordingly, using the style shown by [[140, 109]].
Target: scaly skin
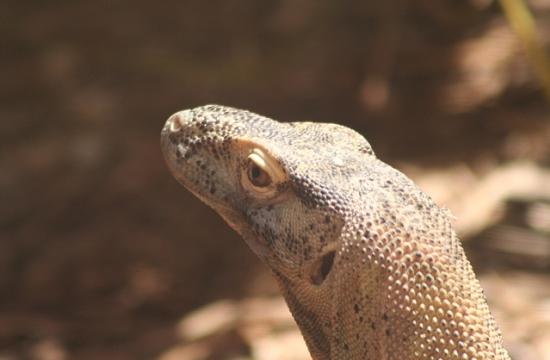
[[368, 264]]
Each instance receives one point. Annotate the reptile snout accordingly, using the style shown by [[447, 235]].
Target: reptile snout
[[175, 136], [186, 133], [180, 131]]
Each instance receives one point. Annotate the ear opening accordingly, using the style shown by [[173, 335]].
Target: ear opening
[[322, 268]]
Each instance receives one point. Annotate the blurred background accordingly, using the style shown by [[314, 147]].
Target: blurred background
[[104, 256]]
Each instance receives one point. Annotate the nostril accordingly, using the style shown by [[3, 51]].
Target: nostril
[[175, 123], [179, 120]]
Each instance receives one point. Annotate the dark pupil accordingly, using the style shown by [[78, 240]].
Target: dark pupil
[[255, 172], [258, 176]]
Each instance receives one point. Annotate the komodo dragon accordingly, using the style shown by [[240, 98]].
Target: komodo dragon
[[368, 264]]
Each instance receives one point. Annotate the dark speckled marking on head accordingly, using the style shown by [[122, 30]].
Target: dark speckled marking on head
[[355, 246]]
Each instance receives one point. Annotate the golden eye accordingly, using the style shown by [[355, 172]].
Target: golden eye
[[257, 176]]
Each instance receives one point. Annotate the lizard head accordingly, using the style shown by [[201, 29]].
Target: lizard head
[[362, 256], [270, 181]]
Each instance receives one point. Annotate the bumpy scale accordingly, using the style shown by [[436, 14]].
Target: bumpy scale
[[368, 264]]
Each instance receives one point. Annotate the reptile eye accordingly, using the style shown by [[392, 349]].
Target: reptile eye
[[261, 174], [257, 176]]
